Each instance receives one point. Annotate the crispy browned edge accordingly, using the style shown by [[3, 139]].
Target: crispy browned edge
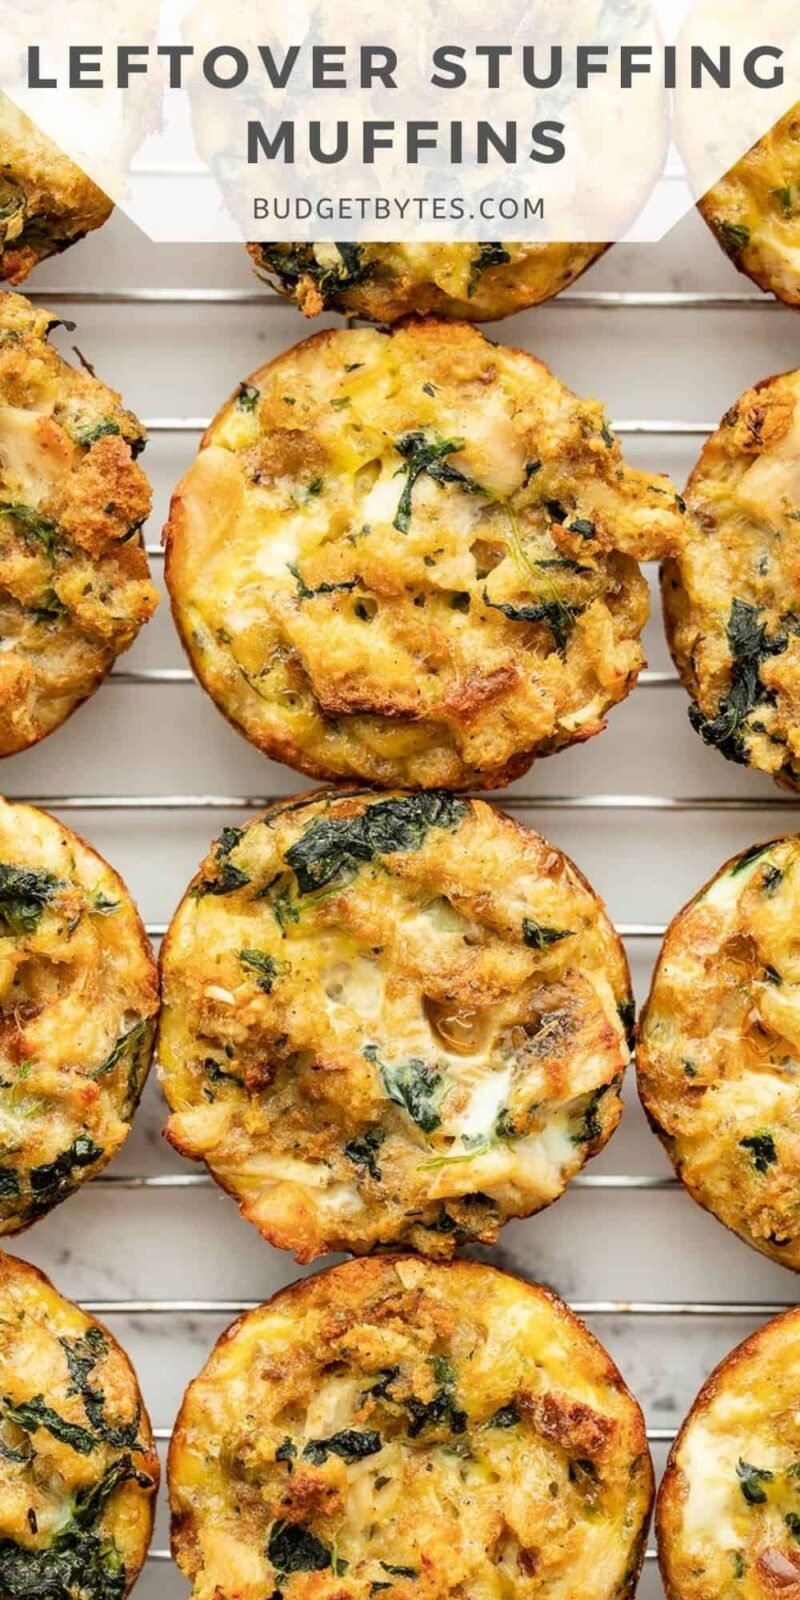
[[667, 1499], [448, 308], [154, 1465], [641, 1056], [297, 802], [284, 749], [146, 950], [762, 280], [670, 569], [363, 1272]]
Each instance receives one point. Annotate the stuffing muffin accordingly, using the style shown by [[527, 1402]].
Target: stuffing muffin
[[46, 202], [418, 1429], [754, 210], [411, 558], [381, 282], [78, 1471], [718, 1040], [78, 1002], [732, 597], [389, 1019], [74, 579], [728, 1514]]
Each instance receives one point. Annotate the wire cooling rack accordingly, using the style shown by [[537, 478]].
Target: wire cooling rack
[[149, 772]]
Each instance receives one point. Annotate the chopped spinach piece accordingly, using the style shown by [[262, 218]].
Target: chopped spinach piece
[[333, 846], [79, 1563], [380, 1389], [559, 617], [761, 1147], [248, 397], [35, 1413], [749, 856], [733, 236], [9, 1183], [583, 527], [35, 530], [127, 1043], [363, 1151], [263, 965], [399, 1572], [771, 877], [101, 430], [489, 255], [425, 453], [749, 646], [286, 1451], [291, 264], [539, 937], [751, 1482], [505, 1417], [49, 608], [792, 1521], [51, 1181], [590, 1125], [24, 893], [349, 1444], [322, 588], [627, 1016], [442, 1409], [292, 1547], [531, 469], [412, 1084], [82, 1355], [230, 877]]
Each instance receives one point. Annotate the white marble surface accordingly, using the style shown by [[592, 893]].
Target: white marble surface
[[191, 1243]]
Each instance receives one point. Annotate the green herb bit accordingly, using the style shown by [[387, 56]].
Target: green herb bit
[[247, 397], [539, 937], [24, 894], [761, 1148], [35, 530], [292, 1547], [332, 847], [414, 1085], [426, 453], [263, 965], [100, 430], [751, 1482]]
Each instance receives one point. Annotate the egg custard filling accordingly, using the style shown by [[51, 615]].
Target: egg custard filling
[[397, 1018], [411, 558], [78, 1471], [78, 1001], [408, 1429], [728, 1517], [718, 1056]]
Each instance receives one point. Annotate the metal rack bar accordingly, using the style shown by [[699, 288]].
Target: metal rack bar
[[582, 1308], [624, 1181], [577, 300], [172, 675], [510, 802], [636, 427]]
